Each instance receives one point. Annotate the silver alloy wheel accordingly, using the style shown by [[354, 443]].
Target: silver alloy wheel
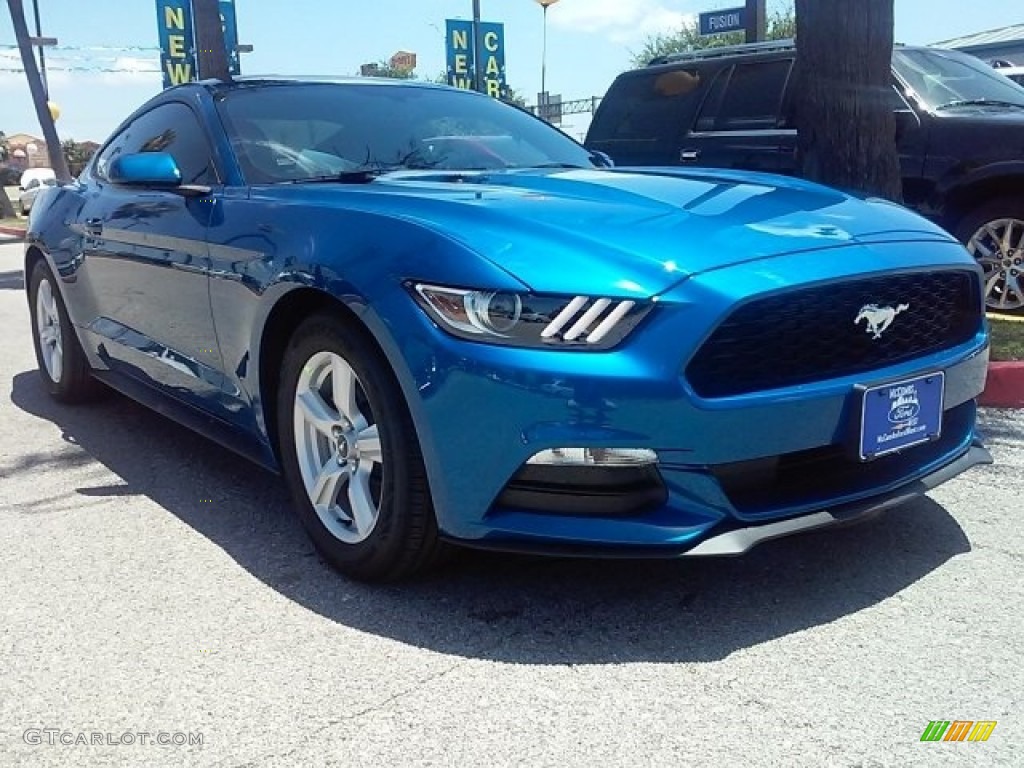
[[998, 247], [48, 328], [337, 447]]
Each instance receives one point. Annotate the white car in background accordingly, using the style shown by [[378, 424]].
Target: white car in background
[[1014, 73], [34, 181], [1011, 70]]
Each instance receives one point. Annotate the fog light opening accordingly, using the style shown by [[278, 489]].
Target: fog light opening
[[595, 457]]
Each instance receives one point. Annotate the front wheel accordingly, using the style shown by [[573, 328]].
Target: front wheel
[[994, 235], [62, 363], [351, 457]]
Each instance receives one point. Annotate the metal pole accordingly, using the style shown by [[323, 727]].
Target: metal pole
[[213, 56], [35, 85], [544, 65], [757, 21], [42, 56], [478, 75]]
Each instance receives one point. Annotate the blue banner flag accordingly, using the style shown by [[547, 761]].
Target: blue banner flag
[[177, 41]]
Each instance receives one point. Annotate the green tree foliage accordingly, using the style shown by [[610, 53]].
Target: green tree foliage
[[781, 26], [384, 69], [76, 155]]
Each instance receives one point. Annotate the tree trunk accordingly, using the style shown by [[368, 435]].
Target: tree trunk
[[6, 208], [213, 55], [35, 84], [844, 104]]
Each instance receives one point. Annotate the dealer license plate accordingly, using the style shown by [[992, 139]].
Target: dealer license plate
[[900, 415]]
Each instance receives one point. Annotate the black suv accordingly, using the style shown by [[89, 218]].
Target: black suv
[[961, 136]]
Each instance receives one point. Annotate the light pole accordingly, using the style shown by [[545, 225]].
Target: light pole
[[545, 4], [42, 56], [478, 75]]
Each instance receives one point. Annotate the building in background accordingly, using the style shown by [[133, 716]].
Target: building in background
[[1005, 44], [27, 151]]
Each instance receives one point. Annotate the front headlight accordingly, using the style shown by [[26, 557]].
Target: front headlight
[[529, 320]]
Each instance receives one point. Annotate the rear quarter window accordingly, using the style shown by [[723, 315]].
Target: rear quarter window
[[652, 107]]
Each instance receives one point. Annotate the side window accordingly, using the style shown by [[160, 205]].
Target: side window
[[751, 99], [171, 128], [648, 106]]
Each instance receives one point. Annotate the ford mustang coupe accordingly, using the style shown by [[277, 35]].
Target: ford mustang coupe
[[444, 321]]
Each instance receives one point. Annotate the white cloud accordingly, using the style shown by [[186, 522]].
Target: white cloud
[[621, 21]]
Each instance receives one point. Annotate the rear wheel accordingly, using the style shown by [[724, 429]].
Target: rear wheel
[[62, 363], [351, 456], [994, 235]]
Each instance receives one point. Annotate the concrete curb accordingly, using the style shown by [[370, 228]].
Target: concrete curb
[[1005, 386], [12, 231]]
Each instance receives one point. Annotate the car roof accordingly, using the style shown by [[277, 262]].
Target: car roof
[[746, 50], [271, 80]]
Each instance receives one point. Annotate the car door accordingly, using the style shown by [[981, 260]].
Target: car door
[[146, 263], [740, 124]]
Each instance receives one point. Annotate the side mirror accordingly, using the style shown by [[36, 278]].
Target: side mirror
[[146, 169]]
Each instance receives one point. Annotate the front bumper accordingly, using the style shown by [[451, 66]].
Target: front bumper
[[483, 411], [732, 539]]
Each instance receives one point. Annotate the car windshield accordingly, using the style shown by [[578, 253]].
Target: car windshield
[[943, 79], [296, 132]]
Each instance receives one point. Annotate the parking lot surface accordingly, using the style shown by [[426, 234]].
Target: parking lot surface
[[155, 584]]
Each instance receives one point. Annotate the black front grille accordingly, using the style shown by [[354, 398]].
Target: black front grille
[[815, 478], [810, 335]]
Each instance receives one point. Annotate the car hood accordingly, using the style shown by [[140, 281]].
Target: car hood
[[629, 232]]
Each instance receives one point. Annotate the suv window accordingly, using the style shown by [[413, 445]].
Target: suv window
[[649, 106], [746, 98], [170, 128]]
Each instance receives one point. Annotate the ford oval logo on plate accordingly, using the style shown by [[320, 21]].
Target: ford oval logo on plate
[[904, 404], [901, 415]]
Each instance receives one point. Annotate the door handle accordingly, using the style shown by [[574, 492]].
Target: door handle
[[689, 155], [94, 226]]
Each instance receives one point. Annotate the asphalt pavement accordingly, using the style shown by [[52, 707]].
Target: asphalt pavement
[[153, 586]]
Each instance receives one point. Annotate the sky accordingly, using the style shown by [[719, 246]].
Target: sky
[[589, 43]]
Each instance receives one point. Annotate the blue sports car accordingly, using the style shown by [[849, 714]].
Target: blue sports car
[[444, 321]]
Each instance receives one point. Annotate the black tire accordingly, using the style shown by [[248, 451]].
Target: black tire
[[74, 382], [404, 540], [1001, 208]]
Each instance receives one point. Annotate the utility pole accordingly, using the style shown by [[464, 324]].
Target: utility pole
[[35, 84], [757, 21], [42, 55], [212, 58], [478, 75]]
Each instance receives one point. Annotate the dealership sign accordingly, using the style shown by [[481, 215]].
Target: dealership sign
[[460, 54], [177, 40], [729, 20]]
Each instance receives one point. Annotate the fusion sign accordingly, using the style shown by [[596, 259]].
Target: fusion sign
[[460, 49], [728, 20]]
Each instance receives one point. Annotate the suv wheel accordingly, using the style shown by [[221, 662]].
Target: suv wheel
[[994, 235]]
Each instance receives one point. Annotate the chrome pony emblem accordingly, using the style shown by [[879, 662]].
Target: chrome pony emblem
[[879, 318]]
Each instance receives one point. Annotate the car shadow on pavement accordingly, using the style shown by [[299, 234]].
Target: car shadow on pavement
[[502, 607], [12, 281]]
